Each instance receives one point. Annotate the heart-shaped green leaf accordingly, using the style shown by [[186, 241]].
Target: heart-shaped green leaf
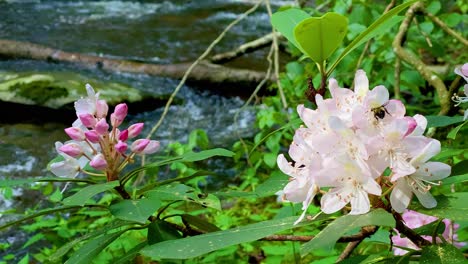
[[285, 22], [319, 37]]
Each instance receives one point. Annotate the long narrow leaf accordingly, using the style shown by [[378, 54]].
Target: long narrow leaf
[[17, 182], [378, 27], [86, 193]]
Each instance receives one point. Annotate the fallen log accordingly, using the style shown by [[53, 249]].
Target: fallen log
[[217, 76]]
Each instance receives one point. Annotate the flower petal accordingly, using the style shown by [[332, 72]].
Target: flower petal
[[400, 196]]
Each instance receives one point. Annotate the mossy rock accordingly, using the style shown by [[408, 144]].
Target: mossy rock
[[55, 90]]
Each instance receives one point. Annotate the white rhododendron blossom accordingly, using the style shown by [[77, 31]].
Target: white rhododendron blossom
[[349, 141], [463, 72], [93, 143]]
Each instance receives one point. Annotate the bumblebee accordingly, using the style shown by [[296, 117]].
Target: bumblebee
[[379, 112]]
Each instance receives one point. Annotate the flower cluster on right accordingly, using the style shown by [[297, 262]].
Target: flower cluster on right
[[347, 144]]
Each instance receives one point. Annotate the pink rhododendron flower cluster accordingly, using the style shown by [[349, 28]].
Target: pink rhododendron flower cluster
[[349, 141], [93, 141], [463, 72], [413, 220]]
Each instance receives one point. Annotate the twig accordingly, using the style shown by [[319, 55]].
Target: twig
[[348, 250], [408, 232], [446, 28], [276, 58], [414, 61], [245, 48]]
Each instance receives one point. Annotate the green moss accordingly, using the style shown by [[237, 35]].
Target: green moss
[[39, 91]]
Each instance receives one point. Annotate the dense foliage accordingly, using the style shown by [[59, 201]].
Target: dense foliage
[[172, 209]]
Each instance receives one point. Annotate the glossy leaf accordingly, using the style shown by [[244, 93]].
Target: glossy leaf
[[455, 179], [285, 22], [442, 254], [83, 195], [92, 248], [379, 26], [319, 37], [272, 185], [135, 210], [161, 230], [453, 133], [195, 246], [453, 206], [177, 191], [442, 121], [327, 238], [199, 223]]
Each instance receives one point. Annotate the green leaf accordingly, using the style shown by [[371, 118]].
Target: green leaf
[[195, 246], [200, 224], [383, 23], [319, 37], [453, 133], [428, 229], [455, 179], [453, 206], [327, 238], [161, 230], [177, 191], [135, 210], [24, 260], [442, 121], [92, 248], [285, 22], [17, 182], [442, 253], [129, 256], [272, 185], [82, 196], [57, 255], [206, 154], [460, 168]]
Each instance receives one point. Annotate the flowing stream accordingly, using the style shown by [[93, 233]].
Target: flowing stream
[[150, 31]]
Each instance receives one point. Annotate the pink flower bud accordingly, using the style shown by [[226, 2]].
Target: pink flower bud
[[135, 129], [72, 149], [464, 69], [102, 127], [120, 111], [101, 109], [88, 120], [412, 124], [121, 147], [139, 145], [115, 121], [92, 136], [98, 162], [152, 147], [75, 133], [123, 135]]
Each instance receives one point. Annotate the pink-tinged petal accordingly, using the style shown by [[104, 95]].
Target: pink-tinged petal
[[395, 108], [333, 86], [307, 115], [429, 149], [422, 124], [92, 136], [462, 71], [69, 167], [123, 135], [87, 120], [333, 200], [296, 192], [135, 129], [98, 162], [400, 196], [433, 171], [72, 149], [152, 147], [425, 197], [411, 124], [284, 165], [305, 205], [360, 203], [75, 133], [101, 109], [372, 187], [361, 83], [139, 145], [121, 147], [377, 97], [121, 111], [102, 127], [115, 122], [90, 92]]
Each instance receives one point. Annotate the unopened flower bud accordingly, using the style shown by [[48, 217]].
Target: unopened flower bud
[[101, 109], [139, 145], [72, 149], [88, 120], [123, 135], [102, 127], [98, 162], [152, 147], [75, 133], [121, 147], [464, 69], [92, 136], [135, 129], [120, 111], [115, 121]]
